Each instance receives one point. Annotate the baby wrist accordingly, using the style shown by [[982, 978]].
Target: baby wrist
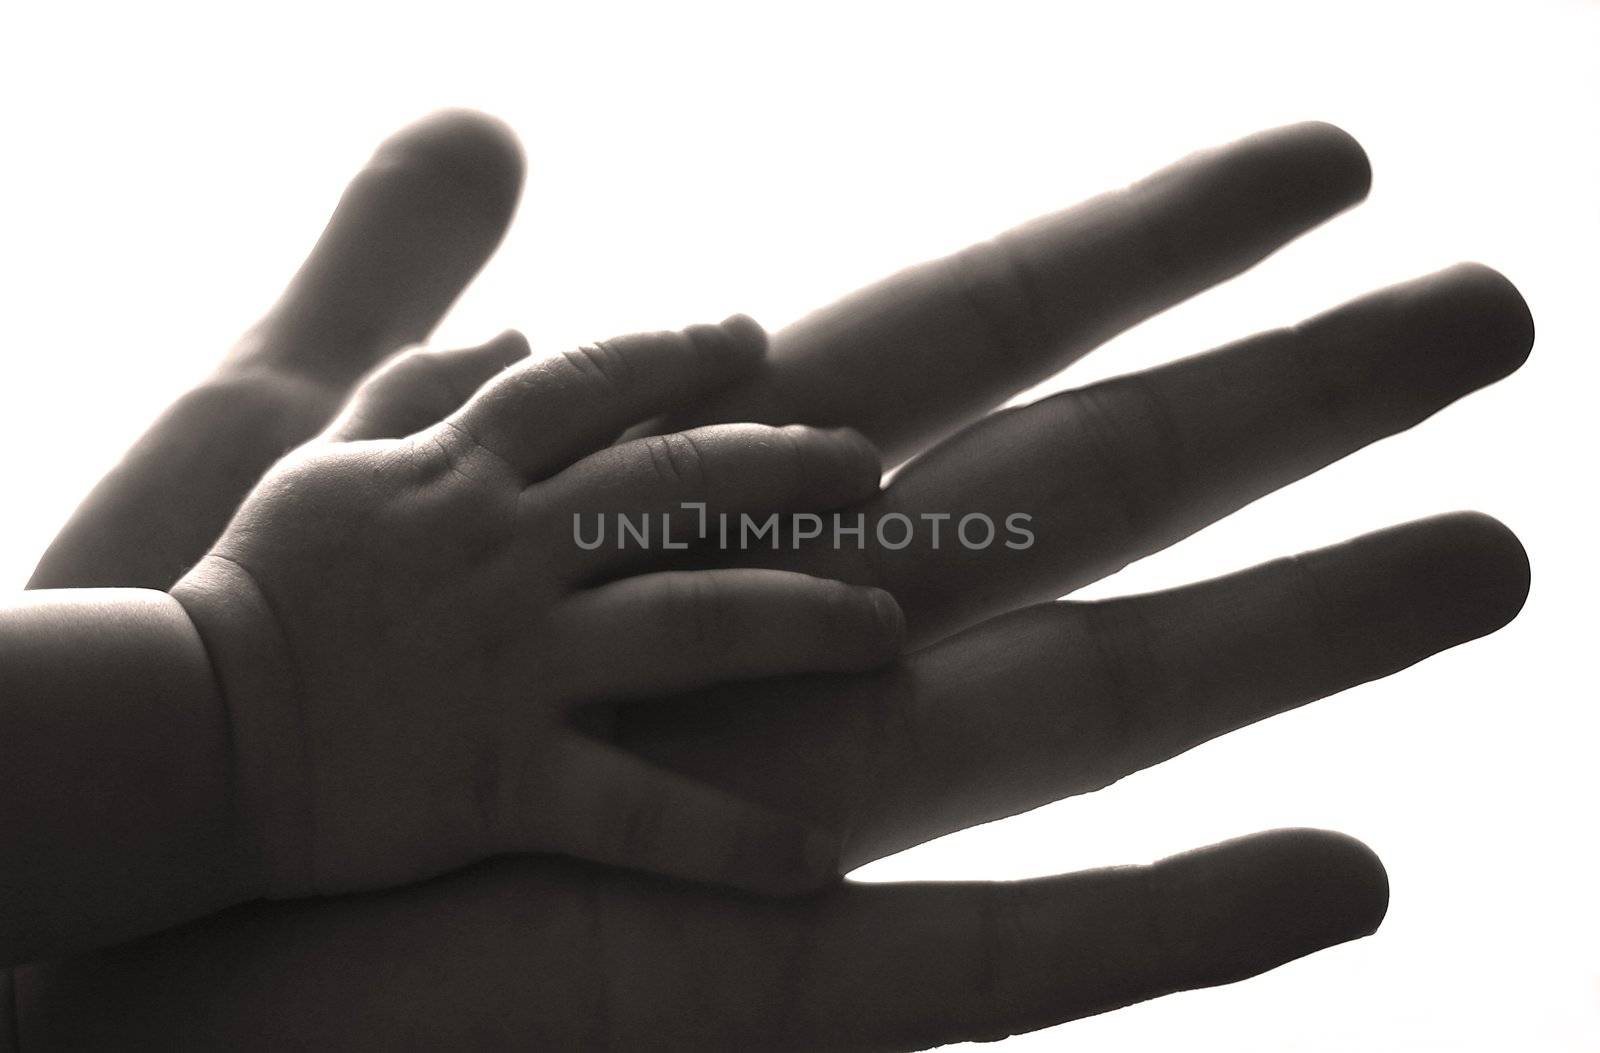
[[271, 784]]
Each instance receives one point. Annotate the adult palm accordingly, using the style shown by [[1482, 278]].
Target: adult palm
[[1003, 707]]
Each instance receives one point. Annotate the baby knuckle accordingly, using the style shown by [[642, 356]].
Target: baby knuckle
[[706, 348], [677, 460], [602, 366]]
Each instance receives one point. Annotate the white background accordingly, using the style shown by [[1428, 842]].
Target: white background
[[164, 173]]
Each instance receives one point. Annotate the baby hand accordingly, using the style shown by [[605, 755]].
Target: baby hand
[[405, 629]]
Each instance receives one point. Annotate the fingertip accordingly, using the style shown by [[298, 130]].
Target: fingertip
[[509, 347], [1489, 566], [1337, 152], [1339, 874], [836, 467], [865, 463], [1417, 346], [858, 442], [1243, 200], [746, 333], [848, 628], [889, 620], [1491, 304], [467, 147], [410, 231], [1248, 905], [1468, 326], [1410, 590], [864, 626], [730, 349], [1302, 172]]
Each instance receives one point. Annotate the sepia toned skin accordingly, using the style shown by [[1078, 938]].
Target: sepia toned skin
[[434, 571], [168, 754], [984, 718]]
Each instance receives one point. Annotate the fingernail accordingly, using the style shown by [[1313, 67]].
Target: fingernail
[[745, 333], [888, 614], [858, 445], [509, 347]]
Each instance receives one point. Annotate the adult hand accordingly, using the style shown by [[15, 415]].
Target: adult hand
[[1021, 709]]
